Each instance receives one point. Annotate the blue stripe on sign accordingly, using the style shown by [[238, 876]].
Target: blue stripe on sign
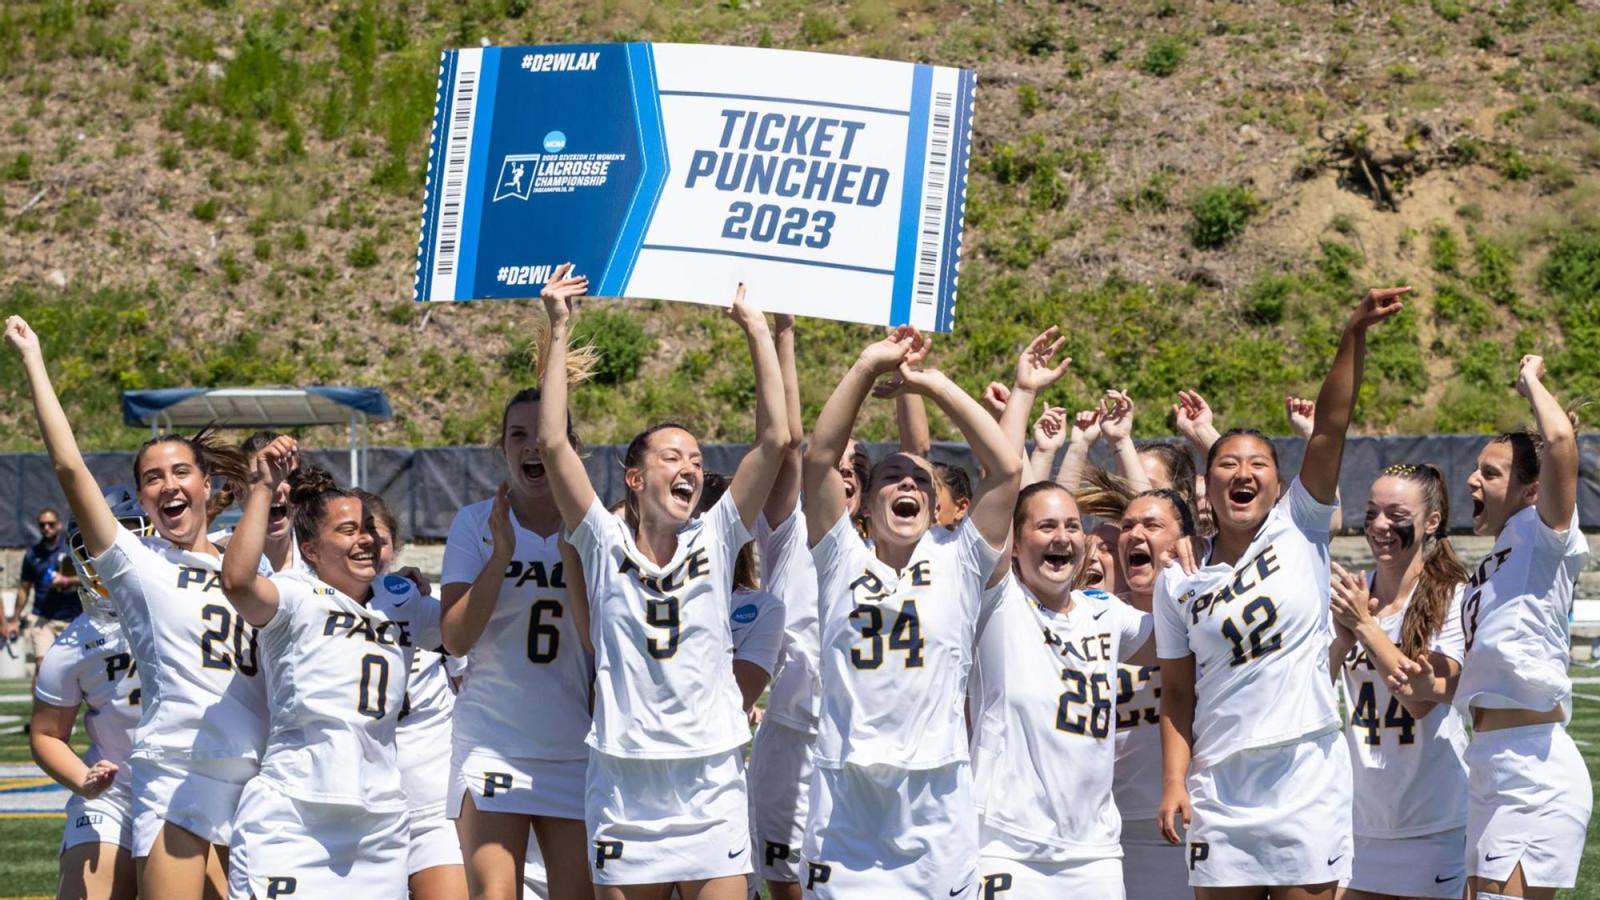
[[782, 259], [905, 258], [430, 207], [955, 205], [794, 100], [652, 176], [483, 118]]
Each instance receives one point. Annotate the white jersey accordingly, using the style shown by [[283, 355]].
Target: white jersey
[[90, 664], [202, 696], [664, 686], [422, 734], [336, 674], [788, 571], [1043, 691], [1259, 632], [1410, 779], [897, 646], [757, 625], [1136, 782], [529, 653], [1515, 617]]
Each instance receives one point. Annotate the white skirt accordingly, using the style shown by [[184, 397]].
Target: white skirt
[[1005, 878], [884, 832], [1427, 865], [661, 821], [197, 795], [433, 841], [1528, 801], [519, 785], [780, 797], [1274, 816], [283, 847], [107, 819]]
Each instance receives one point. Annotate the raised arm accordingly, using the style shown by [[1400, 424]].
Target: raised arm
[[995, 496], [1558, 469], [1116, 429], [254, 596], [1195, 421], [95, 521], [465, 609], [786, 487], [569, 480], [1319, 473], [1034, 375], [1085, 431], [752, 481], [911, 416], [824, 487], [1302, 421], [1049, 435]]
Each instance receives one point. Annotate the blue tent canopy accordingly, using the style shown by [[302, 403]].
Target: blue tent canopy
[[263, 407]]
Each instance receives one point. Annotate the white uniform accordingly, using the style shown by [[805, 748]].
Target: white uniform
[[327, 815], [666, 793], [90, 664], [780, 758], [891, 801], [1410, 782], [1152, 869], [1529, 790], [422, 741], [530, 653], [204, 705], [1270, 781], [1043, 694]]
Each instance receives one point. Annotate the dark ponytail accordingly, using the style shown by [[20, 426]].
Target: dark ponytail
[[1442, 570], [310, 489], [214, 458]]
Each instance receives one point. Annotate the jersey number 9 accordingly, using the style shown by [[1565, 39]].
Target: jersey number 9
[[663, 614]]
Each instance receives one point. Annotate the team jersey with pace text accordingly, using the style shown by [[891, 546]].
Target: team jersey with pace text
[[897, 647], [1043, 693], [336, 674], [422, 733], [201, 693], [788, 571], [1515, 617], [530, 651], [664, 686], [757, 628], [1136, 781], [1259, 631], [1410, 778], [89, 663]]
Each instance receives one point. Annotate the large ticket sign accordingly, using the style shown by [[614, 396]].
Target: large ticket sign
[[832, 186]]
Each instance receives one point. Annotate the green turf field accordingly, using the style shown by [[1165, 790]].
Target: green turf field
[[28, 845]]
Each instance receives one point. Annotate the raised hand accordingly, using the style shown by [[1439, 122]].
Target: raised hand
[[1377, 305], [885, 355], [1116, 417], [1050, 431], [1530, 371], [1302, 415], [563, 287], [1414, 678], [1349, 598], [1034, 369], [21, 337], [748, 317], [1086, 427], [1192, 414], [995, 397], [501, 531], [275, 461]]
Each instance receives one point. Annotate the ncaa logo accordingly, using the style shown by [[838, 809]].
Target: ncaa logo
[[745, 614], [397, 585], [555, 142]]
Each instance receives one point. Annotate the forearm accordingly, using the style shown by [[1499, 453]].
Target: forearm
[[772, 410], [1319, 473], [569, 481], [1072, 468], [1177, 738], [577, 594], [463, 616], [1041, 464], [1014, 420], [752, 680], [253, 596], [911, 415], [998, 458], [838, 417], [1132, 469], [786, 487], [56, 757]]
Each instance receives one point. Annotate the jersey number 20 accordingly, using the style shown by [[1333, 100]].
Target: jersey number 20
[[214, 643]]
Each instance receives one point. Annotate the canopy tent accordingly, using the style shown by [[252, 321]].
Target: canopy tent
[[263, 407]]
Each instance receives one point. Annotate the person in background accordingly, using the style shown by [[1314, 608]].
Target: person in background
[[48, 580]]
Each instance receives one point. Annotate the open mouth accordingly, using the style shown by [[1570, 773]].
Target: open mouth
[[683, 491], [1057, 561], [1383, 543], [1241, 495], [1139, 558], [1477, 507], [364, 556], [905, 507], [1093, 574], [174, 508], [532, 469], [278, 513]]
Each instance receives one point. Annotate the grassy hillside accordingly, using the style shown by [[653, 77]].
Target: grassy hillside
[[228, 192]]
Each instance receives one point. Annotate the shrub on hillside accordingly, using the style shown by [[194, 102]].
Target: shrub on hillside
[[621, 341], [1220, 214]]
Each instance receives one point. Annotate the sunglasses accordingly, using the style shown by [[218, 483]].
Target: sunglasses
[[49, 524]]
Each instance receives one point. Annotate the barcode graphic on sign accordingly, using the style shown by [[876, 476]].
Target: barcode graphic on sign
[[936, 180], [453, 180]]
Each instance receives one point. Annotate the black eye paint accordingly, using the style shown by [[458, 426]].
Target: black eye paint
[[1407, 532]]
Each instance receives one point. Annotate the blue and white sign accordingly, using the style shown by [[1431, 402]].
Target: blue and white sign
[[832, 186]]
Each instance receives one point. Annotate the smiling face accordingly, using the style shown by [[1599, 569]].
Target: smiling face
[[280, 518], [900, 500], [1148, 531], [1242, 484], [666, 483], [1100, 569], [1497, 493], [1398, 519], [851, 465], [173, 491], [520, 444], [1050, 544], [347, 551]]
